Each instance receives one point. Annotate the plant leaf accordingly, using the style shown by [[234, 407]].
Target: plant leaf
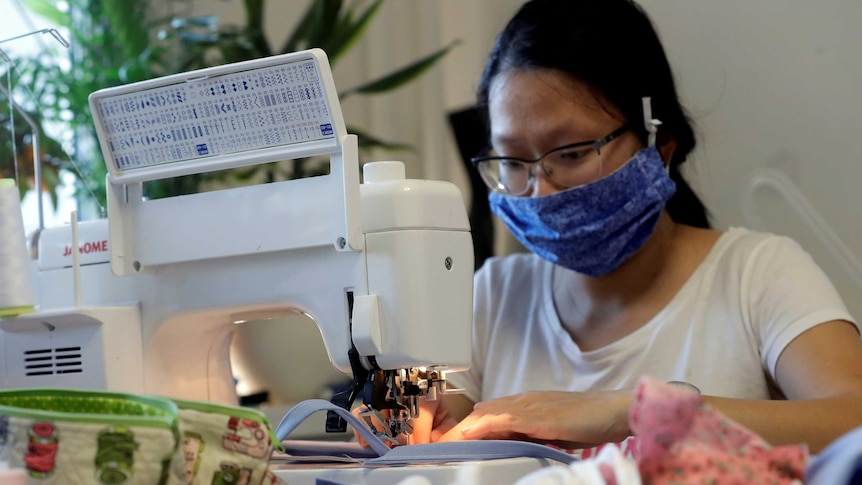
[[300, 32], [254, 14], [314, 26], [400, 77], [254, 26], [347, 32], [131, 37], [48, 11], [50, 180], [327, 18]]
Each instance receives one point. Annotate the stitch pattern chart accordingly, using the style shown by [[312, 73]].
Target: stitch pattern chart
[[254, 109]]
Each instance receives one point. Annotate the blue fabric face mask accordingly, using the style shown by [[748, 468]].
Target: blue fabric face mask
[[594, 228]]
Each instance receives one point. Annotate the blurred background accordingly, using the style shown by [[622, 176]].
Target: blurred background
[[772, 86]]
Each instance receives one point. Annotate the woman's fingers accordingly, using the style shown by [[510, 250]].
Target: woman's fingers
[[497, 419], [423, 425], [375, 423], [432, 423], [479, 426], [548, 417]]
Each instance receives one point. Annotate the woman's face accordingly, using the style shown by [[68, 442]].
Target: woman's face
[[535, 111]]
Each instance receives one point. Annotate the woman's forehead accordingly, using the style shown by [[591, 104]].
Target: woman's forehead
[[525, 102]]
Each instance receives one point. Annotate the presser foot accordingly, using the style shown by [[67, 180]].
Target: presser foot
[[392, 431], [394, 403]]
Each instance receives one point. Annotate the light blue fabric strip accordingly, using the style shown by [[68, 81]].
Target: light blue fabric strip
[[303, 410], [456, 451], [839, 464], [469, 451], [324, 481]]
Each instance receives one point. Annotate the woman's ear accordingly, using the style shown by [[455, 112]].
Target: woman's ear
[[666, 145]]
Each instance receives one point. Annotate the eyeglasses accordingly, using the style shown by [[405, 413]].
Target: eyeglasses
[[566, 166]]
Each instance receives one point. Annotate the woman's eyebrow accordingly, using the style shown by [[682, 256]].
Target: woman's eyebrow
[[508, 141], [563, 134]]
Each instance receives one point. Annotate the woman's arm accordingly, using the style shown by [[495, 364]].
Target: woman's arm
[[566, 419], [820, 372]]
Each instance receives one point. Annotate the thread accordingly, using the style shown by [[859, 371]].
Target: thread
[[16, 285], [76, 260]]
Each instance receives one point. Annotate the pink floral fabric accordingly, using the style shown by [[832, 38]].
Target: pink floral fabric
[[681, 440]]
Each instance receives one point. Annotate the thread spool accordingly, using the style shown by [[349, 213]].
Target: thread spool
[[16, 284]]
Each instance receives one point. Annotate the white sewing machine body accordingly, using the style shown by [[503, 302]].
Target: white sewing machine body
[[162, 283]]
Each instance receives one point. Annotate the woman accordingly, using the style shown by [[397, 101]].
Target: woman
[[625, 279]]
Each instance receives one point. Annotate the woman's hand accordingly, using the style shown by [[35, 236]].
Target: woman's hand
[[566, 419], [434, 420]]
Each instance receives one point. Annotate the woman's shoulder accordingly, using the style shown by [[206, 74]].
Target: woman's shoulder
[[739, 248], [743, 241]]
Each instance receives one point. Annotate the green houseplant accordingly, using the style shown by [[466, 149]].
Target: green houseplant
[[20, 131], [111, 46], [102, 43], [16, 138]]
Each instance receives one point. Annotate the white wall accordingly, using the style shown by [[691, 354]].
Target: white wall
[[774, 88]]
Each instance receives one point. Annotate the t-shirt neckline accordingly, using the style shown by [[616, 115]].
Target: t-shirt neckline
[[572, 349]]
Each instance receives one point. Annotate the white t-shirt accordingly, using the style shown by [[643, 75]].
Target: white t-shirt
[[723, 331]]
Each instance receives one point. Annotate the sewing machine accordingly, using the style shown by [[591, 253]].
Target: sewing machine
[[384, 267]]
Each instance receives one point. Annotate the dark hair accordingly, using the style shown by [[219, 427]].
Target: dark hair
[[612, 47]]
